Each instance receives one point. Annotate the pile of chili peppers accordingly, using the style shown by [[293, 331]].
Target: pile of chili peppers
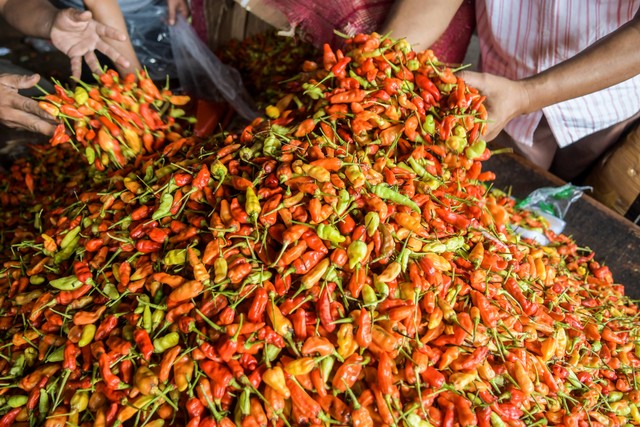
[[117, 121], [340, 263]]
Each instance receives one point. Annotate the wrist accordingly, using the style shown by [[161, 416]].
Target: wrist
[[529, 100]]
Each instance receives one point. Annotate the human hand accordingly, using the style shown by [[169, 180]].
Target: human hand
[[78, 35], [506, 99], [177, 6], [17, 111]]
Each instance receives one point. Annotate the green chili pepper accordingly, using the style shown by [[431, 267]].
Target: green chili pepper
[[429, 124], [244, 402], [147, 323], [371, 221], [356, 251], [79, 401], [258, 277], [413, 64], [326, 366], [403, 259], [369, 295], [456, 143], [344, 200], [43, 403], [164, 209], [67, 251], [407, 86], [88, 332], [111, 291], [435, 247], [80, 95], [69, 283], [496, 421], [218, 170], [387, 193], [56, 356], [476, 149], [454, 243], [382, 289], [177, 112], [363, 83], [18, 400], [18, 366], [70, 237], [156, 318], [127, 332], [165, 170], [30, 356], [417, 167], [162, 344], [90, 154], [220, 269], [175, 257], [312, 91], [271, 352], [331, 275], [252, 204], [329, 232], [271, 146], [36, 280]]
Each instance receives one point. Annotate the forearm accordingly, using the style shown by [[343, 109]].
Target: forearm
[[108, 12], [31, 17], [421, 22], [611, 60]]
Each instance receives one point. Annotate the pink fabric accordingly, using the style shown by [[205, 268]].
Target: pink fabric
[[318, 19], [518, 39], [198, 19], [452, 45]]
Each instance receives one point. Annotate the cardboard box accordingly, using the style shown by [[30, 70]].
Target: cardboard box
[[239, 19], [616, 179]]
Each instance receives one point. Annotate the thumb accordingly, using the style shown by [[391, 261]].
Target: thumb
[[471, 78], [78, 15], [18, 81]]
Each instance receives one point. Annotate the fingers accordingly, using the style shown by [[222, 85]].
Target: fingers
[[471, 78], [105, 31], [23, 120], [18, 81], [113, 54], [177, 6], [93, 63], [76, 66], [30, 106]]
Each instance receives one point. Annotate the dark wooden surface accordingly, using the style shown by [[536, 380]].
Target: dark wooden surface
[[615, 240]]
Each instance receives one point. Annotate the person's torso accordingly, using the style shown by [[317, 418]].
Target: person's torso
[[522, 38]]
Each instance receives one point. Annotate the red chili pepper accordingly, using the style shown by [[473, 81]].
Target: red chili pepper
[[143, 341], [109, 378]]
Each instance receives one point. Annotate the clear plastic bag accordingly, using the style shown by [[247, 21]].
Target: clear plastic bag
[[202, 75], [553, 200], [150, 38]]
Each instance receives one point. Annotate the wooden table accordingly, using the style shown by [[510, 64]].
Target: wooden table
[[615, 240]]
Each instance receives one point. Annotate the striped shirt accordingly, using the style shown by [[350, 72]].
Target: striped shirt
[[519, 38]]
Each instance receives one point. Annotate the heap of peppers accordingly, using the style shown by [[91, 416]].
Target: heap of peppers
[[339, 263]]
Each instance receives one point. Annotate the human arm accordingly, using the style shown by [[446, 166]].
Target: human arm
[[611, 60], [73, 32], [18, 111], [108, 12], [421, 22], [177, 7]]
